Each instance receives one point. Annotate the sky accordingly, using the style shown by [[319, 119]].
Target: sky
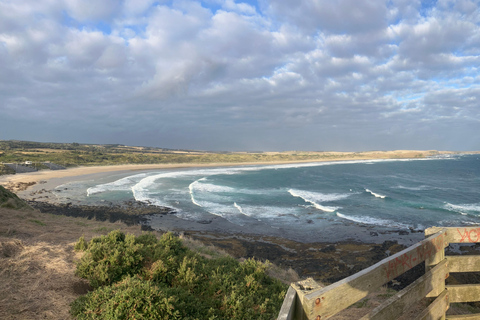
[[228, 75]]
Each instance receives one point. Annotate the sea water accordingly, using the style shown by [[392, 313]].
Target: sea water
[[410, 194]]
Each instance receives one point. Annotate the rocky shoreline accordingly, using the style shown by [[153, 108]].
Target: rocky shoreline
[[324, 261], [129, 212]]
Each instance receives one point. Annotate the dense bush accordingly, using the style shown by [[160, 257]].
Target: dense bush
[[110, 258], [146, 278]]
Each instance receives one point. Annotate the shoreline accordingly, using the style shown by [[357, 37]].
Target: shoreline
[[325, 261], [10, 181], [308, 254], [40, 186]]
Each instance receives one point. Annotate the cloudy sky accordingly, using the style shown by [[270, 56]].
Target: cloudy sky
[[234, 75]]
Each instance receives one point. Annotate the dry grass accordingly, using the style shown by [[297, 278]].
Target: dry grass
[[37, 262]]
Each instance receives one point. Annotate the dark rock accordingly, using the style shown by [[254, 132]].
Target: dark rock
[[328, 249], [130, 212], [204, 221]]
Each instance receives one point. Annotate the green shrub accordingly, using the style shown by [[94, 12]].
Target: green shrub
[[131, 298], [110, 258], [81, 244], [133, 275]]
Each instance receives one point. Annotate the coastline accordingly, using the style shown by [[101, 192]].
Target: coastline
[[26, 180], [40, 186], [326, 260]]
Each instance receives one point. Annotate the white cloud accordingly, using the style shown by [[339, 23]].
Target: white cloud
[[93, 10], [269, 76]]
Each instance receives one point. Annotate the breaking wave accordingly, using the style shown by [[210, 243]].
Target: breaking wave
[[463, 209], [315, 198], [123, 184], [376, 195]]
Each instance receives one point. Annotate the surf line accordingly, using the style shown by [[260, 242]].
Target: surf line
[[375, 194], [190, 188], [316, 205], [239, 208]]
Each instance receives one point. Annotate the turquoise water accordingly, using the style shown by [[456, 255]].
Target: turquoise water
[[378, 195]]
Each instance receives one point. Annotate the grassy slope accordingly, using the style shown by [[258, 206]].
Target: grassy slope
[[37, 262], [11, 200]]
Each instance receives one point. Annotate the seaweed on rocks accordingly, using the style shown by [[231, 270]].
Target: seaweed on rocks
[[129, 212]]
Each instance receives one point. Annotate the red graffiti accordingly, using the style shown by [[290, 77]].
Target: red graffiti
[[395, 267], [469, 235]]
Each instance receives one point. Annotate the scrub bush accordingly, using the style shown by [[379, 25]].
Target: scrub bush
[[131, 298], [110, 258], [146, 278]]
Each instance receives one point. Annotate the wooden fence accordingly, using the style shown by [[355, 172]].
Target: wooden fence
[[307, 300]]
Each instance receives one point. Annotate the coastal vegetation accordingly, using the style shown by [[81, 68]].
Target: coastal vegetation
[[38, 262], [145, 277], [75, 154], [11, 201]]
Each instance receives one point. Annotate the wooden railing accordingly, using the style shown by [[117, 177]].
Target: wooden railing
[[308, 300]]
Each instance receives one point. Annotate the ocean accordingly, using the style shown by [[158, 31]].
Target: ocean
[[321, 199]]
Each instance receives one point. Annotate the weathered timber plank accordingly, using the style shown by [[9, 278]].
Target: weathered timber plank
[[326, 302], [403, 300], [463, 263], [432, 230], [457, 234], [464, 317], [303, 288], [464, 292], [463, 235], [436, 310], [288, 306], [433, 260]]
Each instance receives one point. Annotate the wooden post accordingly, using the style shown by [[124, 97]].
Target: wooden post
[[287, 312], [433, 260]]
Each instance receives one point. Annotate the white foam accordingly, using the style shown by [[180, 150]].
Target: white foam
[[207, 187], [374, 221], [191, 188], [419, 188], [377, 195], [239, 208], [463, 209], [228, 212], [315, 198], [270, 212], [123, 184]]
